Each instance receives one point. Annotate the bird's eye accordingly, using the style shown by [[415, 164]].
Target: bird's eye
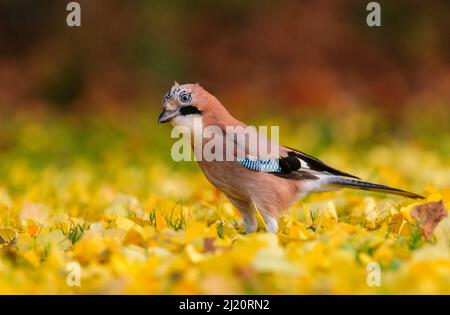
[[185, 97]]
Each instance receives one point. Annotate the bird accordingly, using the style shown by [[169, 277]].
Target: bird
[[263, 185]]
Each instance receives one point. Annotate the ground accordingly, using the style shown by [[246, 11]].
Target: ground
[[94, 204]]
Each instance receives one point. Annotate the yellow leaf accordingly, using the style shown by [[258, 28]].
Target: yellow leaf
[[396, 223], [330, 211], [24, 242], [199, 230], [126, 224], [33, 230], [193, 254], [160, 221], [133, 237], [298, 231], [140, 221], [7, 235]]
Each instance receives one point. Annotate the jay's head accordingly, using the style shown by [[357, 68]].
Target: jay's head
[[184, 103]]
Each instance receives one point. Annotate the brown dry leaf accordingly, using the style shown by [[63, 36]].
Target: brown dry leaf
[[428, 216], [208, 244]]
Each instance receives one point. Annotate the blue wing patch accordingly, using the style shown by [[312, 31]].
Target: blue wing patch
[[269, 165]]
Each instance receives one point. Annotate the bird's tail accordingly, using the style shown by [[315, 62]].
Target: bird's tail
[[357, 184]]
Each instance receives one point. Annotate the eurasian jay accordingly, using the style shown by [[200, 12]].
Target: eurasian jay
[[264, 183]]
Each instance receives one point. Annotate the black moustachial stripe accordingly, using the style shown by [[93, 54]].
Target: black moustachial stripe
[[189, 110]]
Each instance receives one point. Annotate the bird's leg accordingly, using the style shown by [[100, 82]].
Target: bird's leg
[[248, 215], [271, 223], [269, 219], [250, 223]]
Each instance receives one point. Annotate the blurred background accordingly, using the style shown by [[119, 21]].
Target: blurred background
[[81, 153], [287, 55], [312, 67]]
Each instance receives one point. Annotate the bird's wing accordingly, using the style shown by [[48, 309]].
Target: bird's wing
[[291, 164], [308, 162], [286, 162]]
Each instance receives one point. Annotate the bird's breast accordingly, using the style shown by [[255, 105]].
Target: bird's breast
[[222, 174]]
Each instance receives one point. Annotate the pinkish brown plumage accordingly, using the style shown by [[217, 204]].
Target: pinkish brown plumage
[[249, 188]]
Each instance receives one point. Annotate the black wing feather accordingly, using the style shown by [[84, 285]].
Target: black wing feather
[[316, 164]]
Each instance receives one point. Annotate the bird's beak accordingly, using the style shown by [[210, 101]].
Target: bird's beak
[[167, 116]]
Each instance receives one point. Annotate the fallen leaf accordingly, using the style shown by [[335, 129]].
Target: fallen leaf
[[7, 235], [160, 221], [127, 224], [133, 237], [193, 254], [428, 216], [33, 230], [208, 244]]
